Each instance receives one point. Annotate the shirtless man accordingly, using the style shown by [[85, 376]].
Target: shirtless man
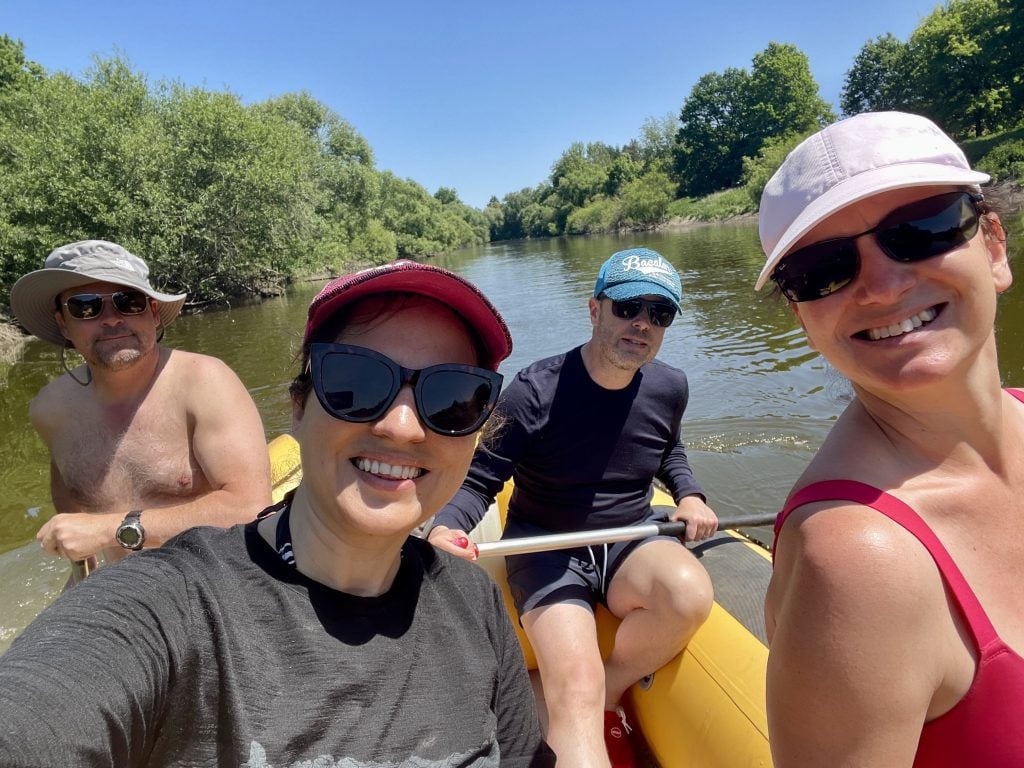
[[144, 441]]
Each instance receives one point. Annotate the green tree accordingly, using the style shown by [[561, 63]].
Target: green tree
[[880, 78], [645, 200], [581, 173], [600, 215], [511, 225], [758, 169], [539, 219], [422, 224], [494, 213], [221, 198], [657, 142], [352, 186], [349, 185], [446, 195], [374, 245], [624, 168], [964, 66], [1005, 161], [405, 209], [242, 193], [728, 116], [77, 162], [19, 80], [713, 135], [1003, 49], [301, 109], [15, 70], [784, 97], [529, 212]]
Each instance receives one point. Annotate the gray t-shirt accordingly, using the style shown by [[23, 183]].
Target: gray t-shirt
[[211, 651]]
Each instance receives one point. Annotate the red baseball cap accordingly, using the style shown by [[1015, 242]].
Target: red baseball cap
[[404, 276]]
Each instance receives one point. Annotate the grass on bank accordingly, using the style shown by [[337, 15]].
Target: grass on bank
[[1001, 155], [976, 149], [715, 207]]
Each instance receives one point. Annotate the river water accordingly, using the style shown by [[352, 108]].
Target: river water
[[760, 400]]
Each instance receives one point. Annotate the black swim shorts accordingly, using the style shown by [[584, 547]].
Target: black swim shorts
[[580, 575]]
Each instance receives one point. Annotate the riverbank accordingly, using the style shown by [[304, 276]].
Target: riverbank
[[11, 341], [1008, 198], [683, 223]]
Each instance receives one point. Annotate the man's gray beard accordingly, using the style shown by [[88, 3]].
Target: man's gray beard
[[124, 358], [120, 359]]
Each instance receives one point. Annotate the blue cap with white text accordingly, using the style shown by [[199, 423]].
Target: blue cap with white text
[[638, 272]]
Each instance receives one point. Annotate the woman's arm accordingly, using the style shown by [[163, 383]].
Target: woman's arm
[[855, 613]]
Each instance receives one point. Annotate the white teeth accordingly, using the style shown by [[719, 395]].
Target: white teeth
[[395, 472], [904, 326]]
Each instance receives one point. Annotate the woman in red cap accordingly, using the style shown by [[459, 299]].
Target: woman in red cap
[[323, 632], [895, 612]]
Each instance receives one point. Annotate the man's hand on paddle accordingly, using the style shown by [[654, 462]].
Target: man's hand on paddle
[[455, 542], [78, 535], [701, 521]]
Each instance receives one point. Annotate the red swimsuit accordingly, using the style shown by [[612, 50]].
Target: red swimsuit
[[986, 727]]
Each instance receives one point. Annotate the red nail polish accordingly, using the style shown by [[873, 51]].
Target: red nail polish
[[461, 542]]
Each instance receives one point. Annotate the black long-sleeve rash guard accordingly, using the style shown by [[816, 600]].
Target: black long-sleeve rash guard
[[581, 456]]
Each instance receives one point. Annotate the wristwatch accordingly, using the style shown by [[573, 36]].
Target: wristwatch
[[130, 534]]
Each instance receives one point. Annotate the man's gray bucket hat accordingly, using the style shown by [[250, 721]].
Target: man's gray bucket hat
[[81, 263]]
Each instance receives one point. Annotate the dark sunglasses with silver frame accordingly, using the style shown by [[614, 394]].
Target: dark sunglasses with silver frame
[[89, 306], [920, 230], [359, 385]]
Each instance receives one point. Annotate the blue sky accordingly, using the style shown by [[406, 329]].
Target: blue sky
[[483, 96]]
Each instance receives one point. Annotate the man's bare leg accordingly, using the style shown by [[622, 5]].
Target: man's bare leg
[[662, 594], [564, 639]]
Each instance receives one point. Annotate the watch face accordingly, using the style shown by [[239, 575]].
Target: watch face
[[129, 536]]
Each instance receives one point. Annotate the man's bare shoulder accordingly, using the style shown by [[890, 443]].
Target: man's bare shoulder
[[202, 369], [195, 361], [53, 402], [212, 393]]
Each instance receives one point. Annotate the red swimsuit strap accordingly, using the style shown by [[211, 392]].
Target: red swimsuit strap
[[861, 493], [896, 510]]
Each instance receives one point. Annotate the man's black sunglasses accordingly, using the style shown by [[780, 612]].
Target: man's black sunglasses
[[88, 306], [914, 232], [359, 385], [660, 313]]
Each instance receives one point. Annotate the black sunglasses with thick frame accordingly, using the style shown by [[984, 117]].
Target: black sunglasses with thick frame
[[89, 306], [920, 230], [660, 313], [358, 385]]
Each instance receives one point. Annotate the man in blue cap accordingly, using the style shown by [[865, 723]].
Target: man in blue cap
[[583, 435]]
